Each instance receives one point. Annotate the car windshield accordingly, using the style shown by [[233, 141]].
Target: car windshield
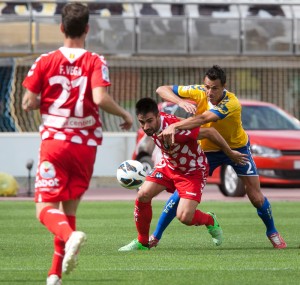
[[267, 118]]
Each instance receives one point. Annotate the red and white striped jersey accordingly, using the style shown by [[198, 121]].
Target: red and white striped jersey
[[186, 154], [65, 79]]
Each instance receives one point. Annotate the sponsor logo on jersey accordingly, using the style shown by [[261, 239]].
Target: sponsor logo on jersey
[[72, 122], [47, 183], [105, 73], [47, 170], [158, 175], [47, 176]]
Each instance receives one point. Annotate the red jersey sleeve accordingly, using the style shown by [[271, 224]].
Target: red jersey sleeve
[[183, 136], [33, 81], [100, 75]]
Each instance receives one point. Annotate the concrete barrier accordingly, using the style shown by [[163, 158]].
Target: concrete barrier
[[16, 149]]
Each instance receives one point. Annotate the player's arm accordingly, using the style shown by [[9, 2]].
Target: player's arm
[[214, 136], [166, 93], [30, 101], [196, 121], [103, 100], [168, 134]]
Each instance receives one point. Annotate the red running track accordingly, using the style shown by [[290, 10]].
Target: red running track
[[211, 193]]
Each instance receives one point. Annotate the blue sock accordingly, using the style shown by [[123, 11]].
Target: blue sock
[[167, 215], [265, 213]]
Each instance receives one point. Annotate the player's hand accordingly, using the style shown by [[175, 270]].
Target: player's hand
[[168, 135], [30, 102], [239, 158], [128, 121], [188, 107]]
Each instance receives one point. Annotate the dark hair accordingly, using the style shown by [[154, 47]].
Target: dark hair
[[75, 17], [216, 72], [145, 106]]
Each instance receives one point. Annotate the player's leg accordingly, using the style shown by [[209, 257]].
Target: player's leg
[[57, 223], [143, 215], [79, 162], [55, 272], [54, 220], [264, 210], [189, 215], [50, 189], [248, 174], [166, 217], [195, 185], [58, 255], [76, 239]]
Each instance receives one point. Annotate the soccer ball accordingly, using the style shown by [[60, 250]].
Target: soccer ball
[[131, 174]]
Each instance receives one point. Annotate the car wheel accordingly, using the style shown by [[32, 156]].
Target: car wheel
[[147, 163], [231, 184]]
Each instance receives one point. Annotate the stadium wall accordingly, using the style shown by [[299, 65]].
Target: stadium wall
[[18, 148]]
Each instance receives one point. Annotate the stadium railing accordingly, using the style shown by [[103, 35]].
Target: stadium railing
[[159, 27]]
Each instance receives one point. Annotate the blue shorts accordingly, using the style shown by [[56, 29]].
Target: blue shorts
[[218, 158]]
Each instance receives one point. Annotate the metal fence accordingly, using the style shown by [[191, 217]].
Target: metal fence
[[271, 79], [159, 27]]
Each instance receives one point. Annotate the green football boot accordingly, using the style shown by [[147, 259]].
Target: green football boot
[[134, 245], [215, 231]]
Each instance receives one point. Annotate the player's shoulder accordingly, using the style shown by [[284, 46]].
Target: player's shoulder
[[230, 94], [191, 88], [46, 56], [229, 103], [232, 98], [168, 117], [97, 56]]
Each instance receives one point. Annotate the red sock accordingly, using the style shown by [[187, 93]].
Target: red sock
[[201, 218], [58, 256], [59, 251], [56, 222], [143, 217]]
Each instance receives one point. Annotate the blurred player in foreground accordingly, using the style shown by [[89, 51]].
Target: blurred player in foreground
[[183, 167], [221, 108], [68, 86]]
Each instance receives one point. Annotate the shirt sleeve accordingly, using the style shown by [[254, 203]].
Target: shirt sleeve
[[100, 75], [33, 80], [193, 92], [183, 136]]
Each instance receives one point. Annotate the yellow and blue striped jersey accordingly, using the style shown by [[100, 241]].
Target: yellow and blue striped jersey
[[228, 110]]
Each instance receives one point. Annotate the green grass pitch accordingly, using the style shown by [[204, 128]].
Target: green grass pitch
[[186, 255]]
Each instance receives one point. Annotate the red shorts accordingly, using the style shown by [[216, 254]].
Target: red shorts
[[189, 186], [64, 170]]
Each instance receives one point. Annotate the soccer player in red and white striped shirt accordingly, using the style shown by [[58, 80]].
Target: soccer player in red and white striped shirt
[[68, 86]]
